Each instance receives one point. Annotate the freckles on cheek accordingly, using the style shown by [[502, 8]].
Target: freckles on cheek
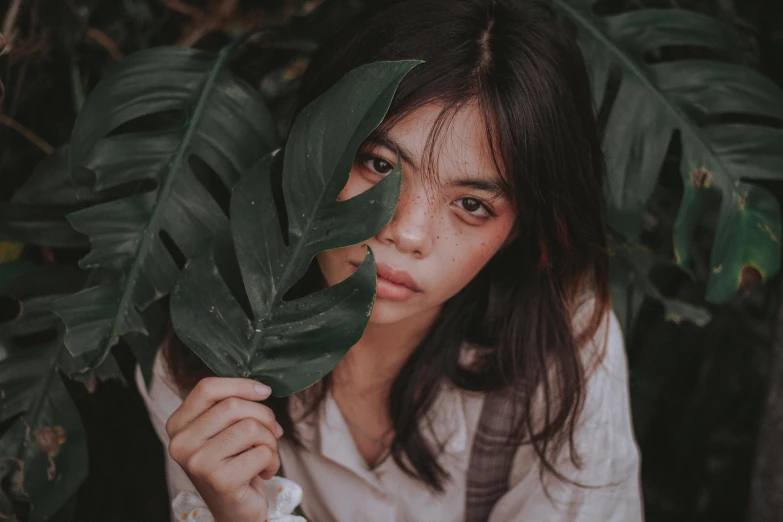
[[478, 254]]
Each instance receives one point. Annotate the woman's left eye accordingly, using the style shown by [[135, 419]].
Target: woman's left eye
[[378, 165], [474, 207]]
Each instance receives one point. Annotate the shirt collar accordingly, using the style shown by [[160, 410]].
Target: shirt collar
[[444, 426]]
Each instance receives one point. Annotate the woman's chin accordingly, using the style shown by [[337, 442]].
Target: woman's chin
[[385, 311]]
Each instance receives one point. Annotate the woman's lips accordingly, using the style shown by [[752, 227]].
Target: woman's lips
[[392, 284]]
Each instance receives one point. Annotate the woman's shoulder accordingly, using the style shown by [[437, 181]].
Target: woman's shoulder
[[600, 338], [161, 395], [604, 429], [603, 433]]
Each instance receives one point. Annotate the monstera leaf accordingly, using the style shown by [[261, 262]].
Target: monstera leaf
[[178, 123], [630, 285], [290, 344], [43, 452], [644, 102], [37, 212]]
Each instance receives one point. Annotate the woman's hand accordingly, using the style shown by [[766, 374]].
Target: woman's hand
[[227, 444]]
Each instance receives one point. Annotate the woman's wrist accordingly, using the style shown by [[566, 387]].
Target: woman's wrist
[[283, 497]]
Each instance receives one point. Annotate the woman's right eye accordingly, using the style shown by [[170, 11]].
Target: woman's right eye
[[377, 165]]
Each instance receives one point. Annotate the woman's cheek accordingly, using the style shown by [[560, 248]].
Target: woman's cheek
[[355, 185], [469, 257]]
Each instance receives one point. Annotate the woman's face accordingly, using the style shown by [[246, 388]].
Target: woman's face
[[447, 224]]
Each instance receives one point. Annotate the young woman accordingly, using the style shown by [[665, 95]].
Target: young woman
[[492, 289]]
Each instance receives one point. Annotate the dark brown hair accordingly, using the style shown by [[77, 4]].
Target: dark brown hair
[[524, 70]]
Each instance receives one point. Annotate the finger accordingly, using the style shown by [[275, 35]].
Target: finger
[[257, 482], [210, 391], [243, 469], [237, 438], [220, 417], [212, 456]]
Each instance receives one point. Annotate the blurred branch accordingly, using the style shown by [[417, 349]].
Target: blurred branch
[[10, 20], [220, 14], [34, 45], [223, 15], [181, 7], [27, 133], [102, 39]]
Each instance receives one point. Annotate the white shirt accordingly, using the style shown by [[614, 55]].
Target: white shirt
[[338, 486]]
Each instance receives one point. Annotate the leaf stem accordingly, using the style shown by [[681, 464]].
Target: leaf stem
[[153, 226], [27, 133]]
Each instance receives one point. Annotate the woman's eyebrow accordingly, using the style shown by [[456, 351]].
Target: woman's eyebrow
[[379, 141], [490, 185]]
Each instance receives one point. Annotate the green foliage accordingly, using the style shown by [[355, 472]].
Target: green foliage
[[224, 126], [36, 213], [43, 446], [679, 100], [291, 344]]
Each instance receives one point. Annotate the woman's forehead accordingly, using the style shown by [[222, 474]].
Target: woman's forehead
[[447, 144]]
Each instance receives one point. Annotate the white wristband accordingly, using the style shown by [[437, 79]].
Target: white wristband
[[283, 496]]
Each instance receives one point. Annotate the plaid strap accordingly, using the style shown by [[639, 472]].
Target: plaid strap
[[492, 455]]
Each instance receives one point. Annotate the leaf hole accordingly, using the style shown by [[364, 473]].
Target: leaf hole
[[210, 180], [673, 53], [171, 247], [9, 308], [727, 118], [311, 282], [4, 427], [661, 208], [86, 178], [131, 188], [228, 268], [36, 338], [151, 122]]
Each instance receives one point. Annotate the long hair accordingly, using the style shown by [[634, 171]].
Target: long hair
[[523, 69]]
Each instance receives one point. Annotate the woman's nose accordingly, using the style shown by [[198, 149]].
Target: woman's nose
[[410, 230]]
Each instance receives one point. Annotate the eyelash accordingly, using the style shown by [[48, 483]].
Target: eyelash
[[486, 208], [364, 158]]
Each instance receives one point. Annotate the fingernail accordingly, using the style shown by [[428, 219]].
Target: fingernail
[[263, 389], [279, 430]]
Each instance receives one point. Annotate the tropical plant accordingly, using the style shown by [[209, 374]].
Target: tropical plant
[[144, 237], [203, 127], [43, 448], [718, 111], [291, 344]]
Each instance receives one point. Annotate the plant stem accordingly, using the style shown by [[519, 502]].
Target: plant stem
[[102, 39], [27, 133], [10, 18]]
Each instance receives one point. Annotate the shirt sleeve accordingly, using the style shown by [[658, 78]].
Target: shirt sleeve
[[607, 449]]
